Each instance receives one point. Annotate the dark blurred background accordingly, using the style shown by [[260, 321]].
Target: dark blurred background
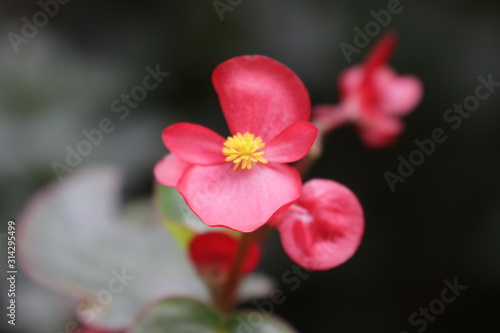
[[441, 223]]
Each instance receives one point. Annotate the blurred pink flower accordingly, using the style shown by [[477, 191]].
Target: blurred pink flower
[[324, 228], [242, 182], [374, 97]]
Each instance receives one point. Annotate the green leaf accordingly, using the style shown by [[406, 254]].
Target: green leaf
[[73, 239], [177, 315], [178, 218], [180, 233], [170, 203], [258, 322]]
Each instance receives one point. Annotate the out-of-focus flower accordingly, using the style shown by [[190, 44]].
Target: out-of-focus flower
[[374, 97], [324, 228], [213, 254], [242, 182]]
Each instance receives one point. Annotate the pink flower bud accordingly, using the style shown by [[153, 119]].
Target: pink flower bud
[[324, 228]]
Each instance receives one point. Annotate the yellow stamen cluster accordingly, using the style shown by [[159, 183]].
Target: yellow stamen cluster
[[243, 150]]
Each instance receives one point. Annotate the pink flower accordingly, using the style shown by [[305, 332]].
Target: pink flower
[[324, 228], [241, 182], [374, 97]]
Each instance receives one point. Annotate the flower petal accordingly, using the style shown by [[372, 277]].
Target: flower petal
[[241, 200], [350, 80], [260, 95], [399, 95], [194, 144], [169, 170], [381, 131], [292, 144], [324, 228], [380, 54], [388, 93]]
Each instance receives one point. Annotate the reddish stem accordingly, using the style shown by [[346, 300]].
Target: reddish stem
[[227, 297]]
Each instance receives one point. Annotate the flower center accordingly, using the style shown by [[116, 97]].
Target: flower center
[[244, 150]]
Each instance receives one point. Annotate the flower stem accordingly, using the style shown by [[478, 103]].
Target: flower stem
[[227, 297]]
